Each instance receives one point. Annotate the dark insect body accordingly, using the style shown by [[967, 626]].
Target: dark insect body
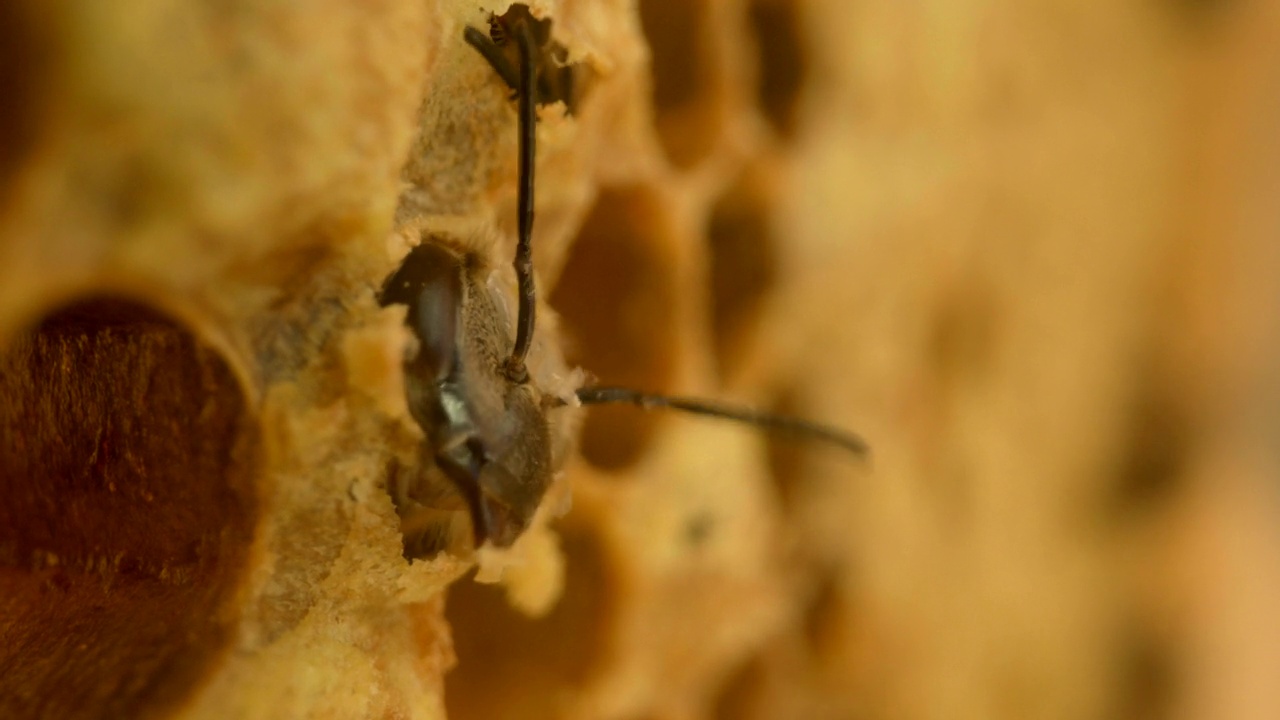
[[485, 432], [555, 78], [486, 422]]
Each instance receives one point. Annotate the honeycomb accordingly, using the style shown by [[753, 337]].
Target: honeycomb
[[1025, 248]]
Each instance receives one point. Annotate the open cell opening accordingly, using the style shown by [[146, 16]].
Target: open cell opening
[[742, 696], [617, 298], [781, 67], [25, 61], [743, 270], [964, 333], [1148, 681], [685, 88], [825, 623], [1151, 466], [126, 512], [512, 665], [789, 461]]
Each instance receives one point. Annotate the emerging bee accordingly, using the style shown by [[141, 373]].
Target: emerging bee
[[485, 420]]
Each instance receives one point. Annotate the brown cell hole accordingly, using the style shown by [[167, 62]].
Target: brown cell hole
[[511, 665], [125, 512], [1201, 17], [824, 619], [685, 88], [1146, 675], [782, 67], [1151, 463], [25, 70], [743, 270], [741, 697], [789, 459], [964, 332], [617, 298]]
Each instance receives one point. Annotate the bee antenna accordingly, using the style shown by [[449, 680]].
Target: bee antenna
[[603, 395], [515, 367]]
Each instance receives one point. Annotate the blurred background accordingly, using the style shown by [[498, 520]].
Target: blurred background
[[1028, 250]]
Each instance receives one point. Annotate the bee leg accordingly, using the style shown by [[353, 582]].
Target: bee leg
[[495, 57], [426, 532]]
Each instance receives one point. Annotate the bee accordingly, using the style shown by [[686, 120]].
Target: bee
[[467, 385]]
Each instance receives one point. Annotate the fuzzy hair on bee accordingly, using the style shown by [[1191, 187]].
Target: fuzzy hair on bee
[[485, 405]]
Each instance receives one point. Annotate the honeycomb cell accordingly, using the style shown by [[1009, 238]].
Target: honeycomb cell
[[536, 663], [743, 270], [617, 298], [740, 698], [824, 619], [1202, 16], [24, 70], [1147, 674], [126, 511], [1151, 466], [788, 460], [965, 333], [685, 90], [782, 67]]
